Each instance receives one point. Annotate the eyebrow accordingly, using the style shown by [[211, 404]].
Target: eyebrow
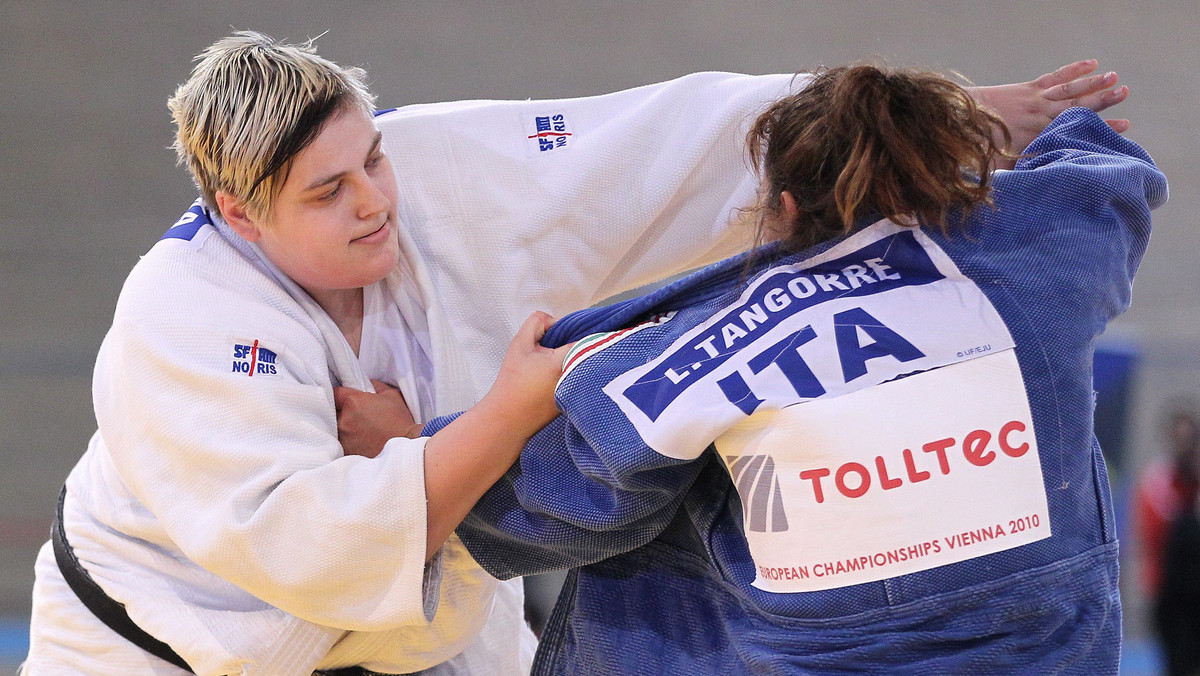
[[336, 177]]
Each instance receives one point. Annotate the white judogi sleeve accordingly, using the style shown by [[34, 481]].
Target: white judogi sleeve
[[517, 206]]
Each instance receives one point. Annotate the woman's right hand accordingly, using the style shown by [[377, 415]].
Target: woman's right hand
[[1027, 107], [523, 393]]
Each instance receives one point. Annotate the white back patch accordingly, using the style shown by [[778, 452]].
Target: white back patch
[[928, 470]]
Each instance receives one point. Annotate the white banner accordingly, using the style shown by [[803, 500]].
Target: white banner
[[924, 471]]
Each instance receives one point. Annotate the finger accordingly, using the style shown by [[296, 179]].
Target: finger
[[380, 386], [561, 352], [1081, 87], [340, 395], [389, 390], [1119, 126], [1067, 73], [544, 319], [1101, 100], [535, 325]]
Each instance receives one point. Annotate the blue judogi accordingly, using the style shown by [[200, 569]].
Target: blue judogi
[[666, 487]]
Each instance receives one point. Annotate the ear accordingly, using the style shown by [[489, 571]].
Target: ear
[[791, 211], [238, 217]]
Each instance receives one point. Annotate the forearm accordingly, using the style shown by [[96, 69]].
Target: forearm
[[521, 528], [568, 502], [462, 461]]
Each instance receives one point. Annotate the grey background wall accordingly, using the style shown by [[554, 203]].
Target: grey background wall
[[87, 182]]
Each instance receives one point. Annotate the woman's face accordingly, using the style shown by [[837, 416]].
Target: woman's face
[[333, 225]]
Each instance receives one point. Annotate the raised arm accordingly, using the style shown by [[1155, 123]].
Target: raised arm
[[575, 496], [571, 501], [516, 206], [630, 187], [1098, 186], [1027, 107]]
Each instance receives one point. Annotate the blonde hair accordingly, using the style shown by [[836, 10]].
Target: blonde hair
[[250, 106]]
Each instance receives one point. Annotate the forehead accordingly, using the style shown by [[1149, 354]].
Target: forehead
[[342, 143]]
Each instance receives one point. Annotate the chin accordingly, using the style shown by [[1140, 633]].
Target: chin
[[381, 266]]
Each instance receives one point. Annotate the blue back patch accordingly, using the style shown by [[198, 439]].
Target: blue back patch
[[868, 271], [883, 303]]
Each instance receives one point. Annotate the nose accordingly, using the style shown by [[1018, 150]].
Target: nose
[[375, 198]]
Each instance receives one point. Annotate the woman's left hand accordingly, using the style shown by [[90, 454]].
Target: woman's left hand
[[366, 421], [1027, 107]]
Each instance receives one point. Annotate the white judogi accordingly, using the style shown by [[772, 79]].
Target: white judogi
[[215, 502]]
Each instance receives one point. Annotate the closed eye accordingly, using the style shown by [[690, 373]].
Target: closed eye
[[332, 194]]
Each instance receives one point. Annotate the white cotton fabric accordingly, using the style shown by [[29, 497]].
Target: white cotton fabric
[[220, 509]]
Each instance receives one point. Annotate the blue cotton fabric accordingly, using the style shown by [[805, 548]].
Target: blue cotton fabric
[[661, 573]]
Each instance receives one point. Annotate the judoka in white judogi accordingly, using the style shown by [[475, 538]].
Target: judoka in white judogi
[[214, 386]]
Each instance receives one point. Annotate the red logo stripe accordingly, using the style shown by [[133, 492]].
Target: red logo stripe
[[595, 346], [253, 357]]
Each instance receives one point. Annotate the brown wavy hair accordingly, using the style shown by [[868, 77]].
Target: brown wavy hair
[[868, 141]]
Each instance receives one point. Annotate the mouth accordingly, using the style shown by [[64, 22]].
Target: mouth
[[377, 235]]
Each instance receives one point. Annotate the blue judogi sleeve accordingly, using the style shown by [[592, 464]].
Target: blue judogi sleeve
[[1085, 192], [562, 506], [588, 487]]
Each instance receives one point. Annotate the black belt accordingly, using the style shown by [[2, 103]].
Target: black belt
[[112, 613], [107, 610], [351, 671]]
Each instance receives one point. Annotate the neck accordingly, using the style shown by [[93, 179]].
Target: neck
[[345, 308]]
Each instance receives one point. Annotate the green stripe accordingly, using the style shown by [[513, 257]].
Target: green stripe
[[584, 342]]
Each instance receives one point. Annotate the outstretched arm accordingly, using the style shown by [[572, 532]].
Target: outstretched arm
[[561, 505], [467, 456], [1027, 107], [571, 501]]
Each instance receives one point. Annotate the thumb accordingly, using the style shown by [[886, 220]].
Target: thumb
[[380, 386], [535, 325], [561, 352], [1119, 126]]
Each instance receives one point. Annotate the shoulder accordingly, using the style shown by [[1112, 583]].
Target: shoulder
[[200, 294], [179, 277]]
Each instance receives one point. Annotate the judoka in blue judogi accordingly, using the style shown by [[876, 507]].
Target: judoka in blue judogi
[[876, 453]]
